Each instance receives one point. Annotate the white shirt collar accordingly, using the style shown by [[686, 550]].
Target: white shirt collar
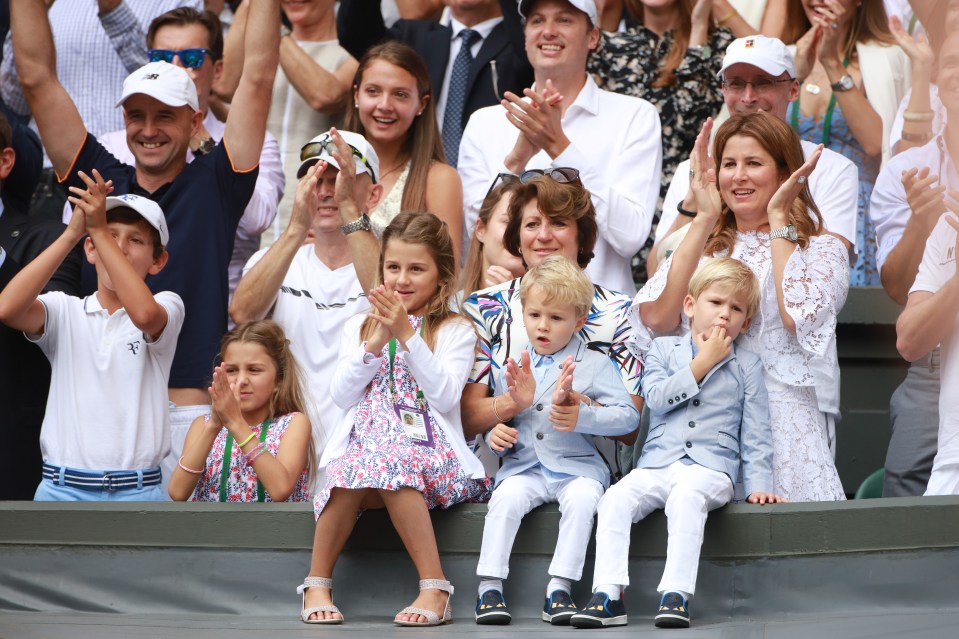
[[483, 28]]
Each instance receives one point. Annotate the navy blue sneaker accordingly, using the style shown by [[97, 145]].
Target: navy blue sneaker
[[559, 607], [673, 611], [601, 611], [491, 609]]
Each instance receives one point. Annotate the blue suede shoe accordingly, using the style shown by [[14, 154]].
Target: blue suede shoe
[[601, 611], [673, 611], [491, 609], [559, 607]]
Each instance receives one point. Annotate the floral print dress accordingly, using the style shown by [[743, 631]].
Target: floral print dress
[[241, 481], [381, 455]]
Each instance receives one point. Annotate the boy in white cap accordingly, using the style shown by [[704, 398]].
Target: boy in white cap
[[105, 429], [310, 287]]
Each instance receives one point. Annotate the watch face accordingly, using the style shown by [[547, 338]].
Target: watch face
[[792, 234], [846, 83]]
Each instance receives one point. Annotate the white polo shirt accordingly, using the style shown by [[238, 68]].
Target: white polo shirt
[[615, 143], [888, 208], [312, 307], [107, 408], [834, 186], [938, 267]]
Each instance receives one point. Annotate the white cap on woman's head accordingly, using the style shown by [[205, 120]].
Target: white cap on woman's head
[[768, 54], [148, 210], [586, 6], [162, 81], [368, 163]]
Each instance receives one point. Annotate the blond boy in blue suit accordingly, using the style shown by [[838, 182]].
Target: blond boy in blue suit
[[547, 449], [709, 415]]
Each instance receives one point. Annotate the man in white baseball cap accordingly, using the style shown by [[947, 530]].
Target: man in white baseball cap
[[310, 286], [586, 6]]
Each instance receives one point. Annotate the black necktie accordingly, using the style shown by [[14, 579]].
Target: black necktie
[[456, 97]]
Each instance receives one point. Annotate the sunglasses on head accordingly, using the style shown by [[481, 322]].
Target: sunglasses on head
[[562, 174], [313, 150], [190, 58]]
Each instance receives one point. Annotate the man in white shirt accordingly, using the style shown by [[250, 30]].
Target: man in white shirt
[[567, 121], [835, 182], [908, 206], [310, 288]]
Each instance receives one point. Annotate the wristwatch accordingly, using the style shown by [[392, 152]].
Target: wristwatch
[[362, 223], [787, 232], [846, 83], [205, 148]]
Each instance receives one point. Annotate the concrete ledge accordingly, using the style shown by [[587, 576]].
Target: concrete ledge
[[736, 531]]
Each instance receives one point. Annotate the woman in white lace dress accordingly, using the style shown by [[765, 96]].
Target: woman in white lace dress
[[754, 204]]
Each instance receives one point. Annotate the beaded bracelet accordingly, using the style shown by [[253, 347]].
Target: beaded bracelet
[[189, 470], [259, 451], [247, 458], [917, 137]]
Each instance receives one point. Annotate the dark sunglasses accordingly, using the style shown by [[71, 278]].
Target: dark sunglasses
[[190, 58], [562, 174], [313, 150]]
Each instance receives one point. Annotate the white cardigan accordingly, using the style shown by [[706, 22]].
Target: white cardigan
[[441, 376]]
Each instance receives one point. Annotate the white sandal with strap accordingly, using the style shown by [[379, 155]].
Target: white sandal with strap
[[432, 619], [317, 582]]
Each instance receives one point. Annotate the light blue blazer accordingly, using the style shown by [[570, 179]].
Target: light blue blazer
[[718, 423], [572, 453]]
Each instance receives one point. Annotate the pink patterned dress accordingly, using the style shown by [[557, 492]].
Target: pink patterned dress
[[381, 455], [241, 480]]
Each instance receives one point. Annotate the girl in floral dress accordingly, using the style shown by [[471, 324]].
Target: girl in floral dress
[[256, 445], [401, 374]]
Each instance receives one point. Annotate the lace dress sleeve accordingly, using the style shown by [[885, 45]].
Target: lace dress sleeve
[[815, 285], [642, 337]]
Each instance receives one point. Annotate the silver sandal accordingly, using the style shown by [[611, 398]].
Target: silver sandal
[[432, 619], [317, 582]]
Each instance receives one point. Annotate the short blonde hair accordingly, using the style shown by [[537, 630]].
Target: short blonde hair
[[560, 281], [729, 272]]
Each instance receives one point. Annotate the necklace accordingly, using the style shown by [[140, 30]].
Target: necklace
[[394, 169]]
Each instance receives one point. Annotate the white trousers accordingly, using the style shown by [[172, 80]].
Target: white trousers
[[687, 492], [519, 494]]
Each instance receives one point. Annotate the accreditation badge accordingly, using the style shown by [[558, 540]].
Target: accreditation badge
[[416, 424]]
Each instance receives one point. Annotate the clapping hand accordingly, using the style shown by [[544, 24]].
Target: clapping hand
[[782, 200], [520, 381], [702, 177], [565, 410], [90, 202], [389, 310], [924, 195], [225, 398]]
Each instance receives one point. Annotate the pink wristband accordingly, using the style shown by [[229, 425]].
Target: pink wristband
[[254, 453], [189, 470], [259, 451]]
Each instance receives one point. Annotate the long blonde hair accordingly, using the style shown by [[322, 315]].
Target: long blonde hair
[[288, 396], [423, 143], [432, 233], [782, 143]]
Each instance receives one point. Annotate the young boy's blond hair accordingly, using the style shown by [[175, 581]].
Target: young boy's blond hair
[[728, 272], [560, 281]]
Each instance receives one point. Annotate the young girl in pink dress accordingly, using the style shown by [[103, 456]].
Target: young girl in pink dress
[[401, 374], [256, 445]]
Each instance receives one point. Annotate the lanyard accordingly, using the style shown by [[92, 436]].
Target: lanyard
[[393, 392], [827, 120], [228, 459]]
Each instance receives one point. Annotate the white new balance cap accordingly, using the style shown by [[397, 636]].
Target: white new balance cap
[[586, 6], [162, 81]]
